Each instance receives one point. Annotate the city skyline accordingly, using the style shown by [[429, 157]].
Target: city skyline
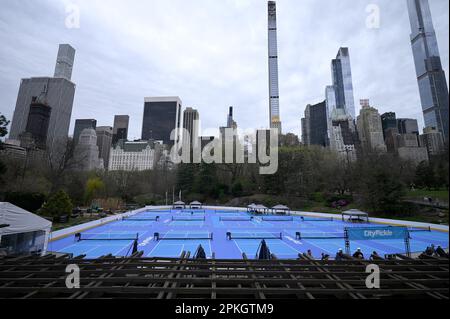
[[250, 98]]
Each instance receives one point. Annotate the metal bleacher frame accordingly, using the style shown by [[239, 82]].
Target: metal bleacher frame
[[178, 278]]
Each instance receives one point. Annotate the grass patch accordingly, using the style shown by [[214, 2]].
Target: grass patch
[[73, 222], [421, 193]]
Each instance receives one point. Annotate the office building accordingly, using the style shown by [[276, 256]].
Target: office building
[[408, 126], [389, 122], [64, 62], [433, 140], [80, 126], [38, 122], [104, 143], [57, 92], [431, 79], [191, 120], [134, 156], [315, 125], [370, 129], [86, 152], [162, 120], [120, 128], [274, 94], [342, 84]]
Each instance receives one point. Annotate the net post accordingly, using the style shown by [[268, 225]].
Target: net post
[[407, 244], [347, 241]]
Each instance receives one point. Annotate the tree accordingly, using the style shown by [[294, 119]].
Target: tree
[[93, 186], [59, 204], [425, 176]]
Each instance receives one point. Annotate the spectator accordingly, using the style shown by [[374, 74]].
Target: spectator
[[375, 256], [441, 252], [309, 253], [358, 254], [325, 257], [430, 250], [340, 255]]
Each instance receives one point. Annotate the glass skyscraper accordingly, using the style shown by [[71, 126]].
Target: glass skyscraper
[[342, 82], [274, 97], [430, 75]]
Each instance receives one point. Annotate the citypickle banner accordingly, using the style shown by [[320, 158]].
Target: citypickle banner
[[377, 233]]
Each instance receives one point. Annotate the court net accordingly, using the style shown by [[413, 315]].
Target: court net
[[184, 236], [254, 235], [141, 218], [278, 219], [417, 229], [236, 218], [188, 218], [319, 235], [107, 236], [318, 219]]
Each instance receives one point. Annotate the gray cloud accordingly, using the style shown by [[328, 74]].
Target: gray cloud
[[213, 54]]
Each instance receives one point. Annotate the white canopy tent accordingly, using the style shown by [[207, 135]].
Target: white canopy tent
[[22, 232], [179, 205], [355, 215], [281, 210], [195, 205]]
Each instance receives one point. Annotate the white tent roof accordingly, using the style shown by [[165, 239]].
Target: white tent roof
[[281, 207], [195, 203], [179, 203], [355, 212], [20, 220]]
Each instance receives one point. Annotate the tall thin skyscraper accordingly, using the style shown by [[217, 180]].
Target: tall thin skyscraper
[[64, 62], [191, 125], [430, 75], [274, 95], [342, 82]]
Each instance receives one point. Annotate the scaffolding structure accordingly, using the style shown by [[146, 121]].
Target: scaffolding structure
[[167, 278]]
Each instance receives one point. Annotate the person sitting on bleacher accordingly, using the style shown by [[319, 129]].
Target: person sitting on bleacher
[[375, 256], [430, 250], [309, 253], [325, 257], [340, 255], [358, 254], [441, 252]]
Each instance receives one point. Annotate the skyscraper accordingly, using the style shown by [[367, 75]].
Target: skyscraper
[[340, 105], [81, 125], [86, 152], [274, 95], [104, 143], [342, 82], [191, 126], [38, 121], [120, 129], [314, 125], [162, 116], [56, 92], [430, 75], [370, 129], [64, 62], [230, 121]]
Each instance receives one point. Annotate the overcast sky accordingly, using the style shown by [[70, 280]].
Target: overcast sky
[[213, 54]]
